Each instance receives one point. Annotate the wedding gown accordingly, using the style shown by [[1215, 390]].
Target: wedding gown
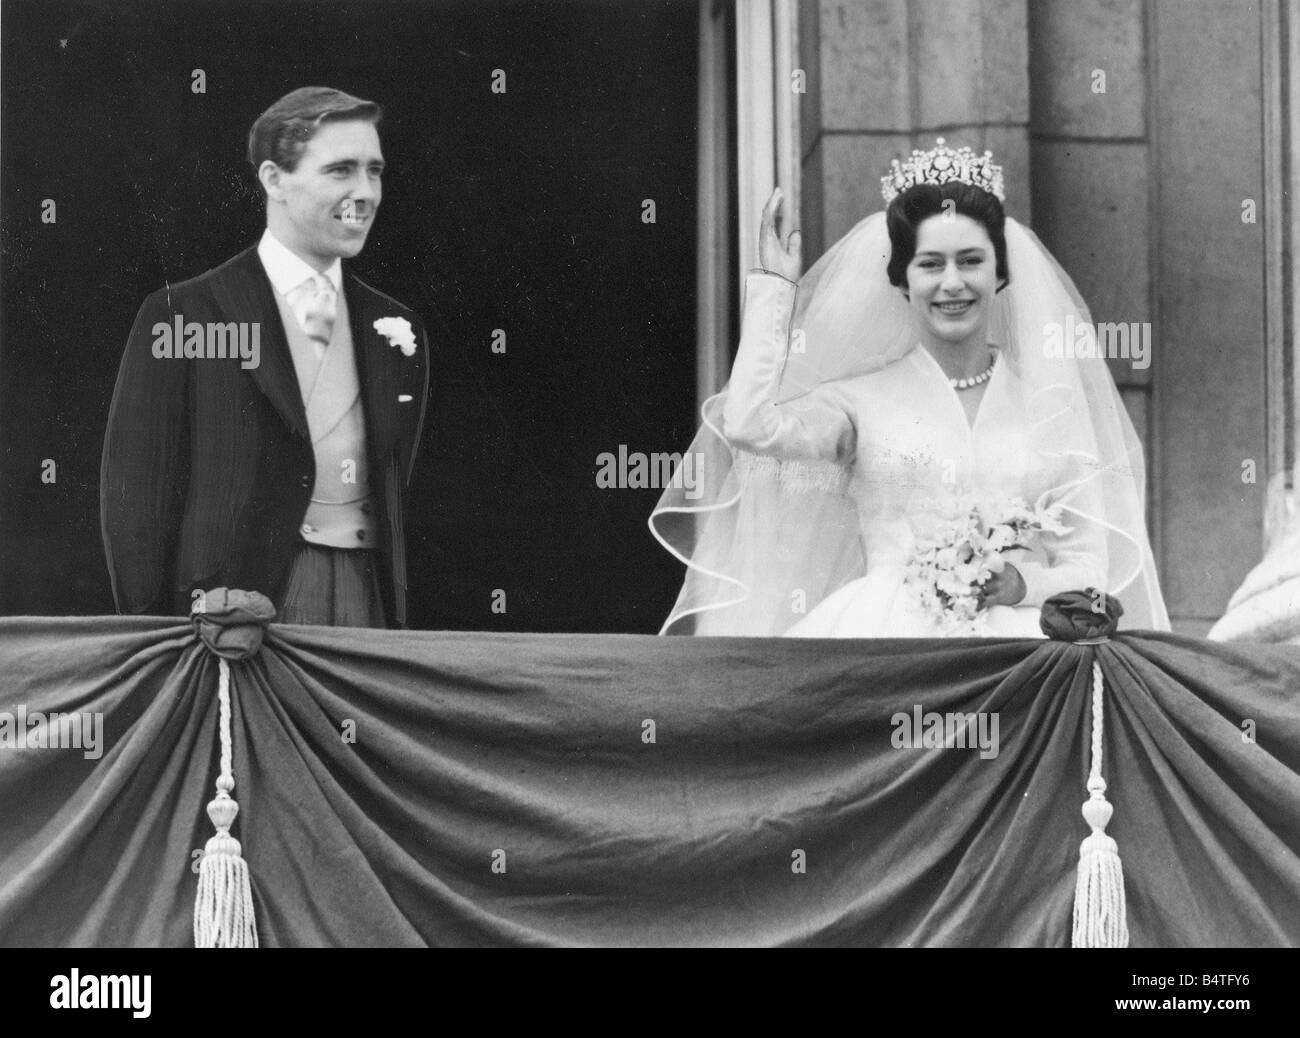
[[904, 435]]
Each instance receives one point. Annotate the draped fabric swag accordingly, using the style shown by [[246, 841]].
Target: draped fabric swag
[[417, 788]]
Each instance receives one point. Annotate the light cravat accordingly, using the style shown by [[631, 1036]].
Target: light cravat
[[317, 307]]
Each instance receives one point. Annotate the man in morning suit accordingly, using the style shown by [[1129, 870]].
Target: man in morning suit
[[280, 465]]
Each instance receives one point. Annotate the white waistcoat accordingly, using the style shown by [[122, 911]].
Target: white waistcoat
[[342, 511]]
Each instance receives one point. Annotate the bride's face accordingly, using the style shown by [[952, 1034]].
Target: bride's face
[[952, 279]]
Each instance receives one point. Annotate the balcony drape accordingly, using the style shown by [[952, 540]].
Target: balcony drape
[[420, 788]]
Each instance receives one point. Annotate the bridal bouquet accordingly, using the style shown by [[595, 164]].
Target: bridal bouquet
[[959, 547]]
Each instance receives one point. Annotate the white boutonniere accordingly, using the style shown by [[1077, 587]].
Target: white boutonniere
[[398, 332]]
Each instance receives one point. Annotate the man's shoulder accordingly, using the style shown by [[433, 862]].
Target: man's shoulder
[[242, 265]]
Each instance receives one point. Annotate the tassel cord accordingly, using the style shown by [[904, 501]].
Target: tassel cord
[[1100, 916], [223, 904]]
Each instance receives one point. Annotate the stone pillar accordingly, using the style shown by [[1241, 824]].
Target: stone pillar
[[887, 76], [1090, 153]]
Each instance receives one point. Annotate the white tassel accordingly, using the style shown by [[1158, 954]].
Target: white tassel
[[1100, 918], [223, 906]]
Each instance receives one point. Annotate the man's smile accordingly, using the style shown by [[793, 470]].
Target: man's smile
[[352, 219]]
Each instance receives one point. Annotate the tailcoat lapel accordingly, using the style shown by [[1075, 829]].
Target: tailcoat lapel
[[244, 292]]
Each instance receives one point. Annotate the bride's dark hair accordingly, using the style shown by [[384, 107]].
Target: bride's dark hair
[[911, 207]]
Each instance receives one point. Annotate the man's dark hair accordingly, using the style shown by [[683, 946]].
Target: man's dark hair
[[921, 201], [281, 132]]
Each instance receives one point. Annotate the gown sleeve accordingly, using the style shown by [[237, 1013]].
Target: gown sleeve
[[1075, 560], [815, 426]]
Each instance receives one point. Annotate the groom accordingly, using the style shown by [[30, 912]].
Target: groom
[[267, 413]]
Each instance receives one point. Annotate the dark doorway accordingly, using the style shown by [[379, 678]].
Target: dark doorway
[[520, 211]]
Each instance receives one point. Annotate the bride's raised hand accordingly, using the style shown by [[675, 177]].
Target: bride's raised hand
[[779, 248]]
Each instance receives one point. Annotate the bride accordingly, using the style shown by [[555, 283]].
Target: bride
[[907, 447]]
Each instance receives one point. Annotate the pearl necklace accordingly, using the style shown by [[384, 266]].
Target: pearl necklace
[[975, 380]]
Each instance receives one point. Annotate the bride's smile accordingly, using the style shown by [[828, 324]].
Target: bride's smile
[[951, 282]]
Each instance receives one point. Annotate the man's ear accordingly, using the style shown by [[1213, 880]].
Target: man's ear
[[269, 174]]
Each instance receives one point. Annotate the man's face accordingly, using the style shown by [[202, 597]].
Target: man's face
[[327, 204]]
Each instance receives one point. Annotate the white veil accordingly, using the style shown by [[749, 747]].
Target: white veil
[[752, 528]]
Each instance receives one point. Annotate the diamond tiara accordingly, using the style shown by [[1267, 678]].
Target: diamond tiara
[[943, 165]]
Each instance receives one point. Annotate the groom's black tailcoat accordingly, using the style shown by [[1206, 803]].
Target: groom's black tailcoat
[[208, 467]]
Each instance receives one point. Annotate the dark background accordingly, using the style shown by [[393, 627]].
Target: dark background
[[519, 211]]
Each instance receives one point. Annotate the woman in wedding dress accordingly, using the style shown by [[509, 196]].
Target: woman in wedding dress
[[887, 416]]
